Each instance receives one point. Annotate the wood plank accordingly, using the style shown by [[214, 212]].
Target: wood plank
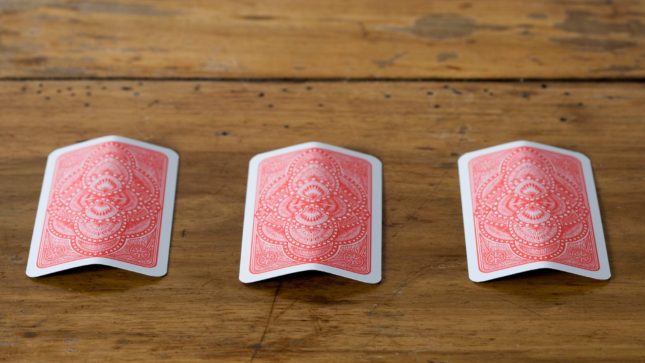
[[425, 309], [339, 38]]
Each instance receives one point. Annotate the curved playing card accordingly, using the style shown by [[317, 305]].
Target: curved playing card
[[106, 201], [312, 207], [528, 206]]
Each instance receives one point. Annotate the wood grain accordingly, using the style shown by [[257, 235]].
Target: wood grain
[[324, 39], [425, 310]]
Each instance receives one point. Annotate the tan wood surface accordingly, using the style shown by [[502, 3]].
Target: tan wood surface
[[330, 39], [425, 310]]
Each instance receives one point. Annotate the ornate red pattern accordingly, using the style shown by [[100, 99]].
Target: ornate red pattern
[[312, 206], [531, 205], [106, 201]]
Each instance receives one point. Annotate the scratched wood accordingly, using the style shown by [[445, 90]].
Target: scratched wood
[[425, 309], [305, 39]]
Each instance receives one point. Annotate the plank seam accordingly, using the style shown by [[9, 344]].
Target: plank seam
[[326, 80]]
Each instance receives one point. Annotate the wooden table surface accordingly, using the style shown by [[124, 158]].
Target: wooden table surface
[[415, 83]]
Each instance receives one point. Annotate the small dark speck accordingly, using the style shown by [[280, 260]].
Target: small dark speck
[[222, 133], [445, 86], [104, 88], [437, 106], [387, 95], [136, 94], [580, 104], [486, 90], [455, 91], [261, 94], [47, 98], [286, 126], [72, 94], [454, 154], [566, 93], [88, 93], [88, 87], [270, 105], [29, 334], [86, 104], [285, 90], [544, 85], [183, 232], [197, 87], [39, 92], [24, 88], [321, 105], [308, 88], [69, 88], [563, 119], [40, 85], [429, 93], [610, 97], [59, 90], [140, 84], [126, 88]]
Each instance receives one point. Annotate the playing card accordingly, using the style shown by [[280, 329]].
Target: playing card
[[106, 201], [528, 206], [312, 207]]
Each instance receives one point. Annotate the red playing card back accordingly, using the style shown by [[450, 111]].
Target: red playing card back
[[312, 206], [531, 205], [106, 200]]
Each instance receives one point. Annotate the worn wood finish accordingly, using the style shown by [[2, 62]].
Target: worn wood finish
[[425, 309], [305, 39]]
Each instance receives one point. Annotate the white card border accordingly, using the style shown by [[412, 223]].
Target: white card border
[[167, 217], [469, 225], [377, 196]]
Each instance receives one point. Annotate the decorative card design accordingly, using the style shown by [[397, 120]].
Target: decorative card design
[[313, 207], [529, 206], [105, 201]]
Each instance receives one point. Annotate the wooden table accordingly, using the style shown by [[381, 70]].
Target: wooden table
[[415, 83]]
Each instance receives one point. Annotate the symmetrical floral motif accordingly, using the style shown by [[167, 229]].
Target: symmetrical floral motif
[[105, 202], [312, 207], [531, 205]]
